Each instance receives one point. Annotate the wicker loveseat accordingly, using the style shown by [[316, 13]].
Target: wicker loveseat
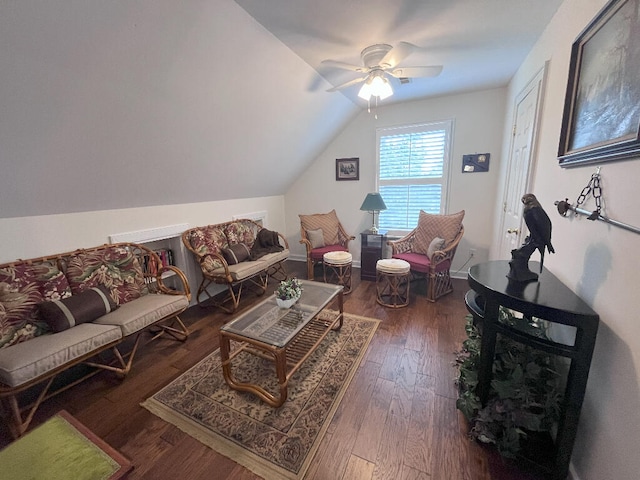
[[430, 248], [236, 254], [78, 307]]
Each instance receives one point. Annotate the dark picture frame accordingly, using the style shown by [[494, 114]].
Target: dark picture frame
[[347, 169], [601, 119]]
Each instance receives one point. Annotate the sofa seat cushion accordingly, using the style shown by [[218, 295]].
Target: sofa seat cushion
[[275, 257], [28, 360], [244, 270], [317, 254], [116, 268], [144, 311], [421, 263]]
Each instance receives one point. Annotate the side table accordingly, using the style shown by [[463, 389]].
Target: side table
[[371, 250]]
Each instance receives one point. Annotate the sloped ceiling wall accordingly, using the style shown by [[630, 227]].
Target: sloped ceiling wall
[[118, 104]]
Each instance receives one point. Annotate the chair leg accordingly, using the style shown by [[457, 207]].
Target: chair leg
[[309, 268], [439, 284], [278, 272]]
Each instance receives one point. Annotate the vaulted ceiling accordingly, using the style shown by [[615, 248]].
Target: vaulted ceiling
[[480, 44], [109, 105]]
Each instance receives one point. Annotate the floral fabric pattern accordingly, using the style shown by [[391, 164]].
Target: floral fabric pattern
[[22, 288], [208, 240], [116, 268], [241, 231]]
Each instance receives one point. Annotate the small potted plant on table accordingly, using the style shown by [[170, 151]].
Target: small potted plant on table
[[288, 292]]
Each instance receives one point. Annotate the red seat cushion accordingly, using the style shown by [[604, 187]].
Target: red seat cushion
[[318, 253], [421, 263]]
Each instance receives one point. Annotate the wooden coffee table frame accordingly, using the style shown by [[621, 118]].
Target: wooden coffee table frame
[[287, 359]]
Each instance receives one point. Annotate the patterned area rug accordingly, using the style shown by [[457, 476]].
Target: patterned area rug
[[272, 442]]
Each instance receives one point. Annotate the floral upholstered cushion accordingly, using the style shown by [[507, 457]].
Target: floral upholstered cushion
[[432, 226], [208, 240], [116, 268], [241, 231], [22, 288]]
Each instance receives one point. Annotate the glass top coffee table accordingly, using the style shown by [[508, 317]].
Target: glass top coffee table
[[286, 336]]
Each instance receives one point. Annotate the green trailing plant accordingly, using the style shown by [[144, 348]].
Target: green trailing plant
[[525, 389]]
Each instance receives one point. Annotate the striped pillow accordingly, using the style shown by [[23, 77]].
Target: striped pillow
[[327, 222], [82, 307]]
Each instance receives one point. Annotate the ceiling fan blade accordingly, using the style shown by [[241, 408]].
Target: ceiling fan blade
[[416, 72], [396, 55], [345, 66], [348, 84]]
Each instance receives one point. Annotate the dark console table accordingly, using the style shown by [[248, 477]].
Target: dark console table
[[371, 250], [548, 299]]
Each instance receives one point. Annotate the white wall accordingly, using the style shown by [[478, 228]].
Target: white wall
[[599, 262], [29, 237], [120, 104], [477, 128]]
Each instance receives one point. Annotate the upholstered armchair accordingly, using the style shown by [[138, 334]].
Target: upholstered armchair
[[430, 248], [322, 233]]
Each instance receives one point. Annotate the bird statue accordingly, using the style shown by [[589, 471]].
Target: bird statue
[[539, 226]]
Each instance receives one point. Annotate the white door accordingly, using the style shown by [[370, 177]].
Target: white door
[[527, 109]]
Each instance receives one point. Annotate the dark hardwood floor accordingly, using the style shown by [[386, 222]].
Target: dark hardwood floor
[[397, 420]]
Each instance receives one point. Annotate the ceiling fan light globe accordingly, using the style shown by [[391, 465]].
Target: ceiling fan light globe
[[365, 91], [381, 88]]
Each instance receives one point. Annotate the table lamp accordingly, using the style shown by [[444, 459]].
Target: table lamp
[[373, 203]]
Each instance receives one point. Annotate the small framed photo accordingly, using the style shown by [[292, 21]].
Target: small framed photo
[[347, 169]]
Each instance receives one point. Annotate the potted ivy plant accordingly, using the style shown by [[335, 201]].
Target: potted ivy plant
[[524, 399]]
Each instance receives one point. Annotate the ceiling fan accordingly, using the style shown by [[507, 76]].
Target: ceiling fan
[[378, 63]]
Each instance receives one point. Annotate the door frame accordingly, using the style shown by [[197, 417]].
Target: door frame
[[538, 81]]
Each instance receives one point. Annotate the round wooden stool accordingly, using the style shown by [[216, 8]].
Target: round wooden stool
[[337, 269], [392, 282]]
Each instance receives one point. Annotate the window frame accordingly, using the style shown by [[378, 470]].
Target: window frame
[[444, 181]]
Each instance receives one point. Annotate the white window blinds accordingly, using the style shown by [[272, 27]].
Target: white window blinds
[[412, 172]]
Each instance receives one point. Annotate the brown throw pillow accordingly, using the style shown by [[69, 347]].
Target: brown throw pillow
[[79, 308], [236, 253]]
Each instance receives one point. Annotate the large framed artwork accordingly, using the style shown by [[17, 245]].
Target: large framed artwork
[[601, 120]]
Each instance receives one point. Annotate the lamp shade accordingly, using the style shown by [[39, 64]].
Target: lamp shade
[[373, 203]]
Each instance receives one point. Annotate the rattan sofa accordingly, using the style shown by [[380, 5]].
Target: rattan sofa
[[215, 247], [78, 308]]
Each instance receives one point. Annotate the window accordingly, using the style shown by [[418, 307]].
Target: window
[[412, 172]]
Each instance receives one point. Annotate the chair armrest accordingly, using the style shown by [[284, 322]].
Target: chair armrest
[[284, 241], [343, 237], [404, 244], [307, 244], [169, 291], [449, 251]]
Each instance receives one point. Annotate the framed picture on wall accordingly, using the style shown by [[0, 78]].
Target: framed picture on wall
[[601, 120], [347, 168]]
